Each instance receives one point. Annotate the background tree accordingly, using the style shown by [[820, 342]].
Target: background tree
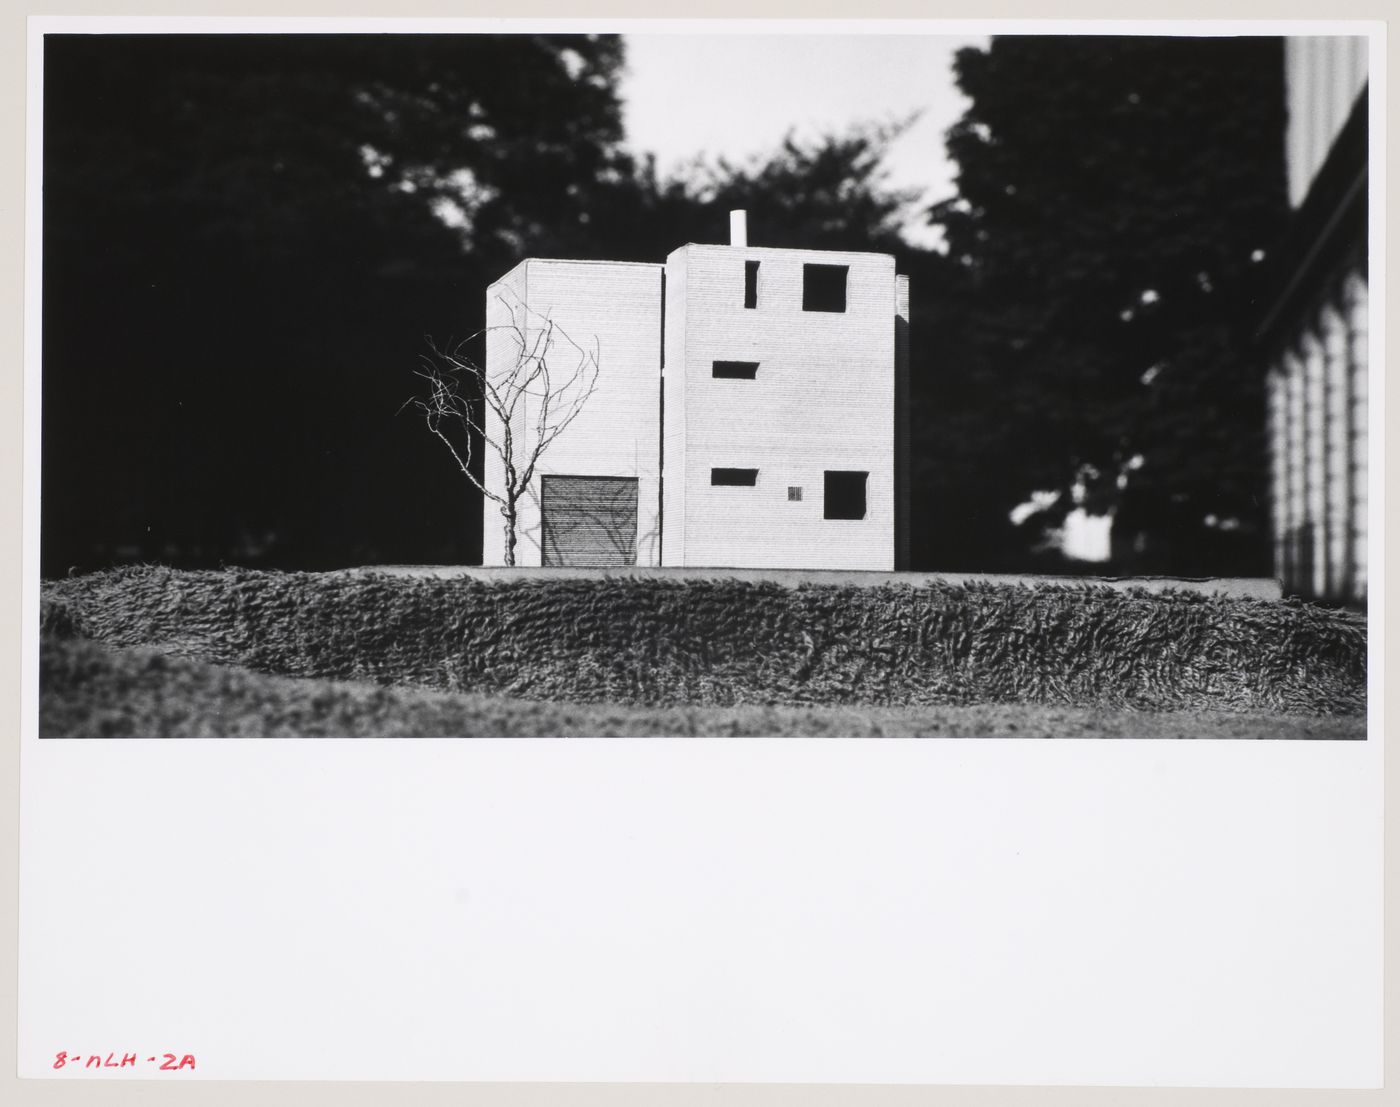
[[245, 240], [514, 411], [1115, 198], [247, 237], [257, 232], [828, 192], [832, 192]]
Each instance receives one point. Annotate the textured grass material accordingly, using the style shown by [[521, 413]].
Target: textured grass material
[[91, 691], [723, 643]]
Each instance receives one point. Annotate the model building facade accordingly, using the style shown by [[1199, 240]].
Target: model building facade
[[748, 410]]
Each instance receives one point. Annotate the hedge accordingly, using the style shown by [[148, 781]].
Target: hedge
[[94, 691], [724, 642]]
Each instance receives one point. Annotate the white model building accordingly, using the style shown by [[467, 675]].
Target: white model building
[[749, 410]]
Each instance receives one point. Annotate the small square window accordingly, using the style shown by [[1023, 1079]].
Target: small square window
[[735, 370], [751, 284], [844, 495], [742, 477], [824, 287], [794, 492]]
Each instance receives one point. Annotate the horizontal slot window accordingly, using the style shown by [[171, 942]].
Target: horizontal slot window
[[742, 477], [735, 370]]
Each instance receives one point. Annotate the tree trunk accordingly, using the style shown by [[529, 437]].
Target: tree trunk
[[509, 512]]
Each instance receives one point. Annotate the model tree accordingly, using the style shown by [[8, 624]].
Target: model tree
[[512, 409]]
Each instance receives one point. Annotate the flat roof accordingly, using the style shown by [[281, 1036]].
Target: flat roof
[[787, 251], [593, 261], [783, 250]]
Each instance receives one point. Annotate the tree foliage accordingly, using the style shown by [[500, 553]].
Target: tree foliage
[[246, 239], [828, 192], [1115, 199]]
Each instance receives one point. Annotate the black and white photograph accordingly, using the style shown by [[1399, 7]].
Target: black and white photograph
[[409, 385], [488, 473]]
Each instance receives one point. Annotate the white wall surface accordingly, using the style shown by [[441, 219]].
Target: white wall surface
[[823, 400], [1324, 76], [615, 309]]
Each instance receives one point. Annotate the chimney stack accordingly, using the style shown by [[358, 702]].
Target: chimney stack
[[739, 227]]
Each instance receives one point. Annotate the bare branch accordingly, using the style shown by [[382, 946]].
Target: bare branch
[[517, 408]]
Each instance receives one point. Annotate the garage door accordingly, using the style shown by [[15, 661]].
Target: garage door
[[589, 521]]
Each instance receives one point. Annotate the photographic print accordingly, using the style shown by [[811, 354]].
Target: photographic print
[[404, 385], [519, 400], [391, 386]]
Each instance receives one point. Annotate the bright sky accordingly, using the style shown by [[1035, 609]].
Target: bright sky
[[738, 95]]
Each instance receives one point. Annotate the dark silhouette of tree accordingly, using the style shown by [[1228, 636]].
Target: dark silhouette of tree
[[1115, 199], [246, 239], [824, 193]]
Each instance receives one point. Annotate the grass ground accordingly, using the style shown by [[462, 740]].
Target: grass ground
[[91, 691]]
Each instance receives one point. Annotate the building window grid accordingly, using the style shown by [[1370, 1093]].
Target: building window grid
[[1317, 412], [1278, 463], [1315, 429], [1296, 469], [1356, 303], [1338, 450]]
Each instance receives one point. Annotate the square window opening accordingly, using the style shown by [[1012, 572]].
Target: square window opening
[[735, 370], [738, 477], [751, 284], [844, 495], [824, 287]]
